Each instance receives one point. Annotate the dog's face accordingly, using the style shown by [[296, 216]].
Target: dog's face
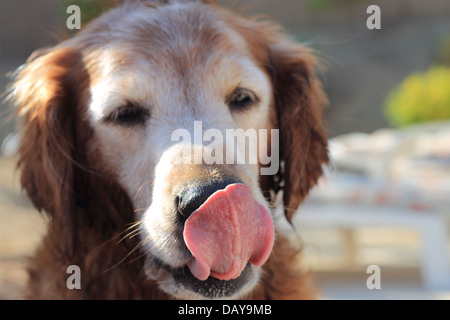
[[148, 81], [170, 68]]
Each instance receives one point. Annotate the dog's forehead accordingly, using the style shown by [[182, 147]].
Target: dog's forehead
[[185, 32], [176, 49]]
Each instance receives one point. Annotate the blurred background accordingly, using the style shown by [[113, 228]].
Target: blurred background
[[384, 201]]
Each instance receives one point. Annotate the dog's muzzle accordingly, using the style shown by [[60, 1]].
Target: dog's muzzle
[[224, 229]]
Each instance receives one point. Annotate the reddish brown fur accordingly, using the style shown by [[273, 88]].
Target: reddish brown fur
[[89, 211]]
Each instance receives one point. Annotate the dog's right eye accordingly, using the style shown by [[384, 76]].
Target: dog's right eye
[[241, 99], [128, 115]]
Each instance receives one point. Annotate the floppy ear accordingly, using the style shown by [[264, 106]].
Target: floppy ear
[[298, 101], [45, 94], [297, 106], [60, 174]]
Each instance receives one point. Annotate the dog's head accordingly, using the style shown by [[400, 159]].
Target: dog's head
[[195, 115]]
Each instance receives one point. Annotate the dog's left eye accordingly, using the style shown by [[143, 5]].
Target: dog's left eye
[[129, 114], [241, 99]]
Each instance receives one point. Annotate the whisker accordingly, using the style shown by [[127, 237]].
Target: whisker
[[122, 260], [140, 188], [136, 234], [138, 246], [131, 234]]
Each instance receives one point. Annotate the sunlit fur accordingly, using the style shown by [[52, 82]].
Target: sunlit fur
[[107, 188]]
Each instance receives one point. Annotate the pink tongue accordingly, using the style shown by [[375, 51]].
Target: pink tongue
[[229, 230]]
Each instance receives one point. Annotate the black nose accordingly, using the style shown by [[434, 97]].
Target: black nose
[[193, 197]]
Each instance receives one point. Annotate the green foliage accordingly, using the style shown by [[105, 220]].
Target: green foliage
[[421, 97], [325, 5], [319, 5], [444, 51]]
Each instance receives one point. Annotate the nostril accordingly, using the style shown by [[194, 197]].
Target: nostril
[[186, 204], [193, 197], [189, 201], [178, 201]]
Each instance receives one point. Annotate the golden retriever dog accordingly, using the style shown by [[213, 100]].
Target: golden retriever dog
[[105, 119]]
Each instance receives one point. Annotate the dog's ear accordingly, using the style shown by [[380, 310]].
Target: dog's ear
[[59, 172], [45, 93], [298, 103]]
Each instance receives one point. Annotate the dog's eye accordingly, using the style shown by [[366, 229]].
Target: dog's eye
[[241, 99], [129, 114]]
